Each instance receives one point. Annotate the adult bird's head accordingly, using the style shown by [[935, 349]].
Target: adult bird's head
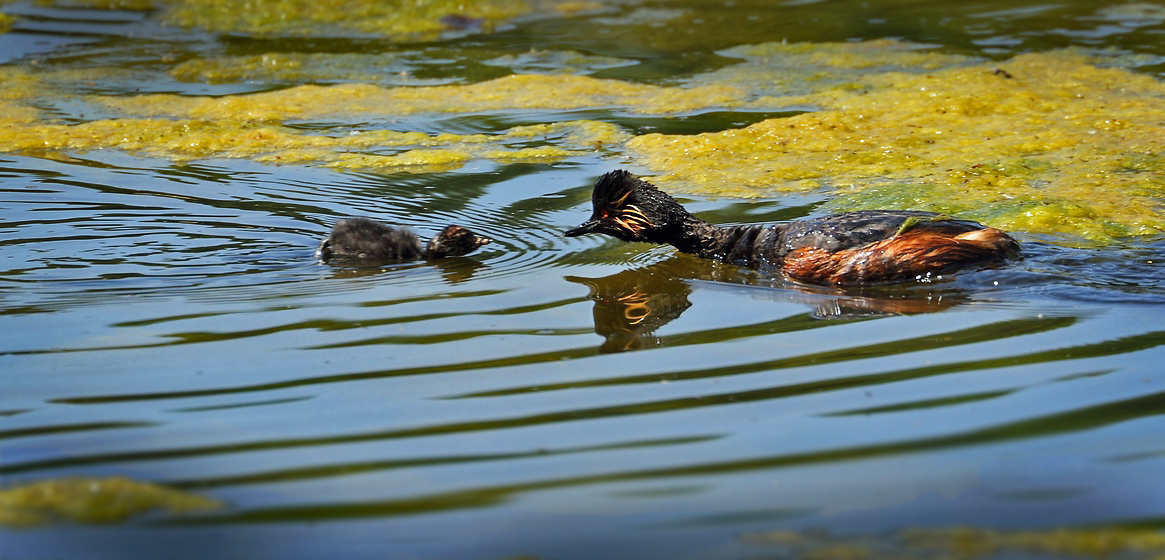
[[630, 209]]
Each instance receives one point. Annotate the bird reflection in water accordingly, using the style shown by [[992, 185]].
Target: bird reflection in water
[[454, 270], [631, 305]]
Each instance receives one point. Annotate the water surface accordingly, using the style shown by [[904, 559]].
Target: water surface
[[550, 397]]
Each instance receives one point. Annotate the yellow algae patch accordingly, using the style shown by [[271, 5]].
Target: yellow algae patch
[[771, 70], [878, 53], [576, 7], [394, 19], [178, 140], [967, 543], [411, 19], [1047, 143], [435, 160], [16, 86], [577, 134], [419, 158], [182, 140], [6, 22], [93, 500], [523, 91], [288, 67], [556, 61], [380, 68], [12, 112], [540, 153], [132, 5]]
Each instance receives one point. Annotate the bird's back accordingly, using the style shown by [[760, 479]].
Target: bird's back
[[855, 229], [361, 238]]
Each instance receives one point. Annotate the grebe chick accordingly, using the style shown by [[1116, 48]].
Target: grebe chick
[[866, 247], [364, 239]]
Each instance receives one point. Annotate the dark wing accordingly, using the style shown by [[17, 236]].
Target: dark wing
[[854, 229]]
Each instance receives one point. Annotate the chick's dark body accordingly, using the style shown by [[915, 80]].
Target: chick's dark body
[[368, 240]]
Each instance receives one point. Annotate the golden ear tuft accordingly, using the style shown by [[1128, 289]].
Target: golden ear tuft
[[633, 219]]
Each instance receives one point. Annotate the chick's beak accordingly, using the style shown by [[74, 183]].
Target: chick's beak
[[586, 227], [482, 241]]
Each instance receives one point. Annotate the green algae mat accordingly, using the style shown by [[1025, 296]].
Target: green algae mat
[[1060, 143]]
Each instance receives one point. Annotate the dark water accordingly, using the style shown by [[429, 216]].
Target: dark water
[[552, 397]]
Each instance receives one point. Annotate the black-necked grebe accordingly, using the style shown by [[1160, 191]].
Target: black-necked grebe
[[369, 240], [865, 247]]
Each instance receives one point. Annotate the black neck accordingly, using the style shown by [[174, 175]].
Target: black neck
[[738, 244]]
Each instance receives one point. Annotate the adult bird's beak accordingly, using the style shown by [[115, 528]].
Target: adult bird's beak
[[586, 227]]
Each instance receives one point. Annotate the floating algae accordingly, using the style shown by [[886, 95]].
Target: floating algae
[[785, 69], [550, 61], [392, 19], [93, 500], [1047, 143], [16, 89], [383, 69], [310, 17], [386, 68], [183, 140], [396, 19], [966, 543], [248, 126], [519, 91], [1052, 143], [128, 5]]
